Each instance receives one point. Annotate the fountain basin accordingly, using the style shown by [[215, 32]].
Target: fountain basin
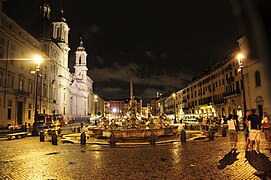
[[140, 133]]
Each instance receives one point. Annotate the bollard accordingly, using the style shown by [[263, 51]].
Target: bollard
[[25, 126], [211, 135], [83, 138], [112, 140], [152, 139], [59, 131], [224, 132], [54, 138], [41, 136], [183, 136]]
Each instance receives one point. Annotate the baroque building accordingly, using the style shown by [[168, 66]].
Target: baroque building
[[58, 90], [81, 87], [230, 86]]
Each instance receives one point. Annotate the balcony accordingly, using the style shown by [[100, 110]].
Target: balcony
[[219, 101], [230, 79], [232, 93], [23, 93], [228, 68]]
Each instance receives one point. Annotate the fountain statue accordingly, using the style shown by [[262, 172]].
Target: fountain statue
[[132, 120]]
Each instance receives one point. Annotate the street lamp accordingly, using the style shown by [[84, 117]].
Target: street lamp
[[108, 111], [240, 58], [95, 104], [174, 97], [37, 60]]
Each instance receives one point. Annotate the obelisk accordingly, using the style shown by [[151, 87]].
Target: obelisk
[[131, 88]]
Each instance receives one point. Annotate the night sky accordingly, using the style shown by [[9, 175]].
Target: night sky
[[161, 44]]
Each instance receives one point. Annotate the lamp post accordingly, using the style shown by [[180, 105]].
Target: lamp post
[[108, 111], [240, 58], [35, 132], [95, 104], [174, 97]]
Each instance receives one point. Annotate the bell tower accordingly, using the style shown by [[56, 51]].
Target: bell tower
[[61, 28], [80, 62], [61, 35], [45, 10], [45, 20]]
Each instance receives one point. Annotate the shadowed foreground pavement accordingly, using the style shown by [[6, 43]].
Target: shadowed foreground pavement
[[28, 158]]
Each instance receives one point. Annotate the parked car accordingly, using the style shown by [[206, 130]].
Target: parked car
[[190, 119]]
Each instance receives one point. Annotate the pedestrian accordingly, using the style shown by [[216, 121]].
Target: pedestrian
[[266, 128], [246, 128], [81, 125], [232, 132], [255, 132]]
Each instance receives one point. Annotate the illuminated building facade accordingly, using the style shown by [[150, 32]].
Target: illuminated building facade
[[220, 91], [57, 88]]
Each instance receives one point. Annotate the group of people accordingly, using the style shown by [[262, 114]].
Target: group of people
[[253, 125]]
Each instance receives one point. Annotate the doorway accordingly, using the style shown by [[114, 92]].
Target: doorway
[[20, 113], [260, 110]]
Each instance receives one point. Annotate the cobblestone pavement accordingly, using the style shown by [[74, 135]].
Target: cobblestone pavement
[[28, 158]]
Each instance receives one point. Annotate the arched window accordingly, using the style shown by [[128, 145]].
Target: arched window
[[257, 78]]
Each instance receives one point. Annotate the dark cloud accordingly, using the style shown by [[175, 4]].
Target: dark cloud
[[148, 85], [161, 44]]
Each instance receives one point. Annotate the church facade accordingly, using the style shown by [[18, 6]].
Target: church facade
[[59, 91]]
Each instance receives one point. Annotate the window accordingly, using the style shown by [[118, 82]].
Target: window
[[9, 109], [21, 84], [30, 86], [2, 45], [29, 113], [44, 91], [12, 53], [9, 103], [258, 78], [10, 81], [1, 52], [9, 113], [1, 77]]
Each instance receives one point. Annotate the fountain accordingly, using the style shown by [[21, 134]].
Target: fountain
[[134, 129]]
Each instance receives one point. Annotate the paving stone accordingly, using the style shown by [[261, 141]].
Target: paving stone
[[28, 158]]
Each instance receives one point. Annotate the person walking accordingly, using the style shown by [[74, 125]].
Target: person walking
[[232, 132], [266, 128], [246, 128], [255, 132]]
